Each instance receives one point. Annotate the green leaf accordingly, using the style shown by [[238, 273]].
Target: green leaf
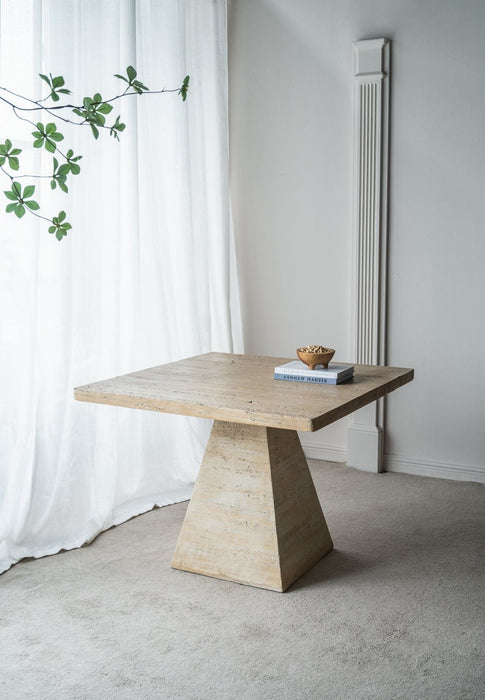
[[184, 88], [65, 91], [139, 87], [63, 186], [10, 207], [131, 73], [28, 191], [53, 184], [7, 150], [40, 127], [50, 128], [105, 108], [38, 143], [2, 160], [50, 146], [60, 229], [75, 169], [117, 126], [121, 77], [55, 97], [97, 98], [69, 154], [32, 205], [10, 195], [95, 131], [19, 210], [120, 126], [16, 189], [58, 81], [44, 77], [57, 136], [13, 163]]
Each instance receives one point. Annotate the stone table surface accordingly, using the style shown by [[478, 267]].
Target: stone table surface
[[241, 389]]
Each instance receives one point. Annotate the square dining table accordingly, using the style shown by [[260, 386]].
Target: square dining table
[[254, 516]]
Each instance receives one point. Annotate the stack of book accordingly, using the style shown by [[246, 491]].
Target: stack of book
[[297, 371]]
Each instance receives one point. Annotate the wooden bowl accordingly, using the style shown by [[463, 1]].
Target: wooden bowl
[[312, 359]]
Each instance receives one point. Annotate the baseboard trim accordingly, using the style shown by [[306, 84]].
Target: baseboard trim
[[402, 465], [427, 467], [327, 453]]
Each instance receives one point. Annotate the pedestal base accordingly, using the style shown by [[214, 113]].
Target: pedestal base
[[254, 517]]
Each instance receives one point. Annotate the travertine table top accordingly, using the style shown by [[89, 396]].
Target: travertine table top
[[241, 389]]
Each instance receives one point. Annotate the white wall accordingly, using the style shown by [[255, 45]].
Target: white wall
[[291, 181]]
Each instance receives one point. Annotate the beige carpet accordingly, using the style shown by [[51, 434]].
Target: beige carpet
[[395, 612]]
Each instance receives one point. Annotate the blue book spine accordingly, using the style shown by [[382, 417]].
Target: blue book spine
[[304, 378]]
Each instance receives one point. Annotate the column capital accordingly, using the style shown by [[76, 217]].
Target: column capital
[[371, 57]]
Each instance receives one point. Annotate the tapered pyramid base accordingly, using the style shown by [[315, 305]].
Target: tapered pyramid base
[[254, 516]]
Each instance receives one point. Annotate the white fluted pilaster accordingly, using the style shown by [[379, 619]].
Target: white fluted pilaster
[[371, 125]]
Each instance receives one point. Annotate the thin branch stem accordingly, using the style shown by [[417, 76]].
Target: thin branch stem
[[16, 94], [24, 119], [44, 177], [5, 172], [39, 216], [52, 108]]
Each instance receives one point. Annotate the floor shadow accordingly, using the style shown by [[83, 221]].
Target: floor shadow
[[336, 564]]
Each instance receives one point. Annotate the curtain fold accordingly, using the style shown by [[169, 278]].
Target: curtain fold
[[146, 276]]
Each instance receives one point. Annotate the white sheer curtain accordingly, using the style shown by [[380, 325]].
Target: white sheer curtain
[[145, 277]]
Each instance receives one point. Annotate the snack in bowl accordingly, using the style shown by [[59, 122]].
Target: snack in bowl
[[314, 355]]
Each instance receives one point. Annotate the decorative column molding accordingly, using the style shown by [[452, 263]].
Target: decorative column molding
[[371, 127]]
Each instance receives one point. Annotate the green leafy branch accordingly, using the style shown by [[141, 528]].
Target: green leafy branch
[[47, 136], [59, 226], [20, 202], [56, 86], [93, 112], [131, 74], [9, 154]]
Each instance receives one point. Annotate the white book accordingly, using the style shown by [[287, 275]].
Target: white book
[[313, 379], [333, 371]]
